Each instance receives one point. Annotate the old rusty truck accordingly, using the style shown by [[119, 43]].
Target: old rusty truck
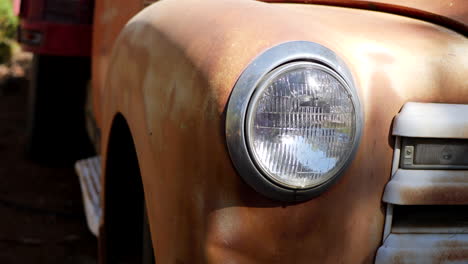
[[275, 131]]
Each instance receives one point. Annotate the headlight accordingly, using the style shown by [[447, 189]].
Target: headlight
[[293, 125], [301, 125]]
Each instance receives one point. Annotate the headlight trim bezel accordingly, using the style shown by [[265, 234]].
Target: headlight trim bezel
[[240, 99]]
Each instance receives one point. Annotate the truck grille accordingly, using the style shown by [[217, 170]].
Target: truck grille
[[427, 195]]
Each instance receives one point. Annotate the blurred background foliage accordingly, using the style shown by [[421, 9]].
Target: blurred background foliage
[[8, 26]]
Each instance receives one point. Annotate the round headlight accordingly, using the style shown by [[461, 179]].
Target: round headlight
[[294, 121], [301, 125]]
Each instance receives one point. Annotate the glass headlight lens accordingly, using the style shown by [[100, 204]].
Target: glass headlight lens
[[301, 125]]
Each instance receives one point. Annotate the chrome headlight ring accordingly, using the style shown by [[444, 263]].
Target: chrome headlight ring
[[277, 59]]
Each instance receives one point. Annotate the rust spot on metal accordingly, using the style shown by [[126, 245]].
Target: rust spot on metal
[[440, 194], [450, 254], [411, 248]]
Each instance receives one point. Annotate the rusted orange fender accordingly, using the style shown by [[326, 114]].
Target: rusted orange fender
[[171, 75]]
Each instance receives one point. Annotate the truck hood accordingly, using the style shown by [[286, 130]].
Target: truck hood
[[452, 14]]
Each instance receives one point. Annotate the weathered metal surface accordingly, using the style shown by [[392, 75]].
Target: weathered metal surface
[[432, 121], [89, 173], [413, 187], [110, 16], [171, 77], [389, 207], [424, 248], [452, 14]]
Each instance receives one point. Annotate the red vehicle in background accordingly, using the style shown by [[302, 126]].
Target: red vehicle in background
[[59, 33]]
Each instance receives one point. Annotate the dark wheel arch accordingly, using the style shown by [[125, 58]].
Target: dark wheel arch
[[123, 237]]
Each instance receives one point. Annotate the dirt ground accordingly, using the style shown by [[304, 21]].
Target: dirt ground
[[41, 213]]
